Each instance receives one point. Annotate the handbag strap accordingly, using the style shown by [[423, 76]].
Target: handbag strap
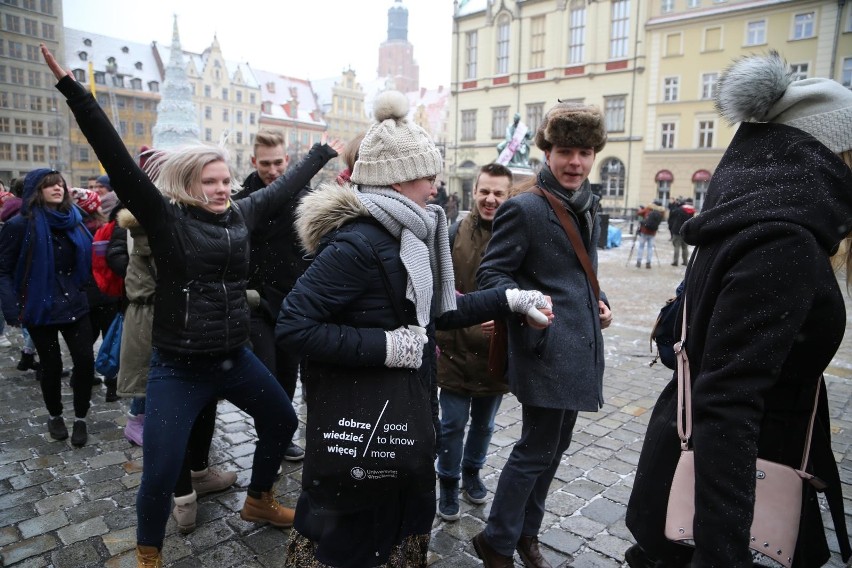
[[684, 394], [573, 236]]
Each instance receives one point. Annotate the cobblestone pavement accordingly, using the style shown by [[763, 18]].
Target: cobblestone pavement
[[67, 507]]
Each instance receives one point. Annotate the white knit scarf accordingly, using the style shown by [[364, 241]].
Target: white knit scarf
[[424, 247]]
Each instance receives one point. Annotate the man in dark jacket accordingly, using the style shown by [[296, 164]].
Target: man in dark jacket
[[558, 371], [276, 258], [467, 389]]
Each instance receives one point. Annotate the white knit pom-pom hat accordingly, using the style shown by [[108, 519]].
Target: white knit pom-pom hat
[[761, 88], [395, 149]]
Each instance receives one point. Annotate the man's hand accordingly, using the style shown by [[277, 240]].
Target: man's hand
[[335, 144], [57, 69], [605, 314]]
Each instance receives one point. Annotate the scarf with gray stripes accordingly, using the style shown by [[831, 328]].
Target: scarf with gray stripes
[[424, 248]]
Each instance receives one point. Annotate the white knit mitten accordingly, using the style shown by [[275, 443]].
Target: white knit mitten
[[404, 347], [527, 302]]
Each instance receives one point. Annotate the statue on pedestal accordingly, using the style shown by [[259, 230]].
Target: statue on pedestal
[[514, 151]]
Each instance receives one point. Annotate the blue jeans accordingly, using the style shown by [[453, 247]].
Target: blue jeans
[[518, 505], [454, 453], [137, 405], [645, 240], [179, 387]]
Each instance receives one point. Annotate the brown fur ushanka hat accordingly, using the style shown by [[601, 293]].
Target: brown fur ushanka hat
[[572, 125]]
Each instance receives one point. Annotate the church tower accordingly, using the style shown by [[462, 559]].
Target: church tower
[[396, 54]]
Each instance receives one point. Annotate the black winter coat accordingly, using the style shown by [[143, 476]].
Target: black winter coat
[[203, 257], [765, 317]]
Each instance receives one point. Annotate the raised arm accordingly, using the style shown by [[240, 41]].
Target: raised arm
[[132, 185]]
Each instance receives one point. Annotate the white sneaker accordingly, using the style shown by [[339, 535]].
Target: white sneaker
[[4, 341]]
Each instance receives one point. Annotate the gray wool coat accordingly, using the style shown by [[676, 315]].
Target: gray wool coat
[[561, 366]]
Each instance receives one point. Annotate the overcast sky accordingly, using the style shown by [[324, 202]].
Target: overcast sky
[[310, 39]]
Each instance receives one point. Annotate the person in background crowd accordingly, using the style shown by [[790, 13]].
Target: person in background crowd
[[340, 316], [651, 216], [558, 371], [45, 256], [276, 257], [679, 213], [92, 183], [11, 311], [102, 185], [199, 236], [765, 316], [452, 208], [468, 391]]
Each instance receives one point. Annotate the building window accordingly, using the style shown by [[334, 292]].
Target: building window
[[122, 127], [16, 49], [666, 6], [5, 151], [38, 127], [803, 25], [138, 128], [535, 112], [706, 129], [667, 135], [664, 189], [32, 52], [612, 178], [239, 95], [252, 118], [537, 42], [53, 154], [226, 116], [252, 98], [5, 126], [224, 94], [36, 103], [499, 121], [83, 153], [22, 152], [30, 27], [846, 78], [48, 31], [100, 78], [118, 81], [4, 99], [19, 101], [139, 104], [470, 55], [708, 85], [756, 32], [154, 86], [849, 20], [239, 117], [207, 91], [799, 70], [136, 84], [503, 45], [208, 135], [671, 86], [13, 23], [208, 113], [38, 154], [20, 126], [468, 125], [16, 75], [693, 3], [614, 113], [619, 29], [712, 39], [47, 6], [79, 75], [577, 33]]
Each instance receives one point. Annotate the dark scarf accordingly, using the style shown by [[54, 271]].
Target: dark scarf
[[36, 268], [579, 201]]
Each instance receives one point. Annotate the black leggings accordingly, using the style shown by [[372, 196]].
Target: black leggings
[[78, 338]]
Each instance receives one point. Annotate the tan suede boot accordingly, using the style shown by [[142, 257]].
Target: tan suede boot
[[148, 557], [265, 509], [185, 512]]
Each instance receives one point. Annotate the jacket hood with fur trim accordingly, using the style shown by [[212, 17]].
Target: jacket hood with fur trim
[[324, 210], [126, 220]]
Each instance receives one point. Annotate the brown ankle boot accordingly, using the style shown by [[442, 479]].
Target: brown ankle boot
[[530, 553], [265, 509], [148, 557]]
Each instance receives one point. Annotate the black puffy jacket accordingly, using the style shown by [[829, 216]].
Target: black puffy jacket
[[202, 257]]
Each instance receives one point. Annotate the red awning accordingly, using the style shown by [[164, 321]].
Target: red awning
[[701, 175], [664, 175]]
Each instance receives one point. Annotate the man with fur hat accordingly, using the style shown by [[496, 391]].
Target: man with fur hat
[[558, 371]]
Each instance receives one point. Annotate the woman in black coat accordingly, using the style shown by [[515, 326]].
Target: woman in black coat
[[380, 282], [765, 317]]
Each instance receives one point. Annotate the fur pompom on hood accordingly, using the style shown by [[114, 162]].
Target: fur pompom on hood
[[324, 210], [750, 87]]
